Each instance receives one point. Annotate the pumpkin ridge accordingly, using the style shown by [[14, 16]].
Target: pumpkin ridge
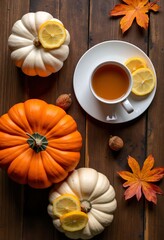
[[10, 152], [33, 111], [52, 53], [102, 217], [22, 42], [63, 127], [55, 172], [30, 23], [18, 116], [58, 53], [28, 64], [53, 114], [64, 158], [92, 177], [39, 65], [8, 140], [21, 52], [8, 126], [47, 67], [101, 186], [37, 177], [14, 134], [22, 38], [94, 225], [49, 60], [24, 31], [60, 191], [18, 169], [108, 195], [71, 141], [106, 207]]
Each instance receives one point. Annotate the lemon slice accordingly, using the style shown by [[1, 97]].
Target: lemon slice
[[65, 204], [135, 63], [52, 34], [143, 81], [74, 221]]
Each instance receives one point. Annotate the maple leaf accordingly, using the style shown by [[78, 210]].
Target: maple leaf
[[140, 180], [134, 9]]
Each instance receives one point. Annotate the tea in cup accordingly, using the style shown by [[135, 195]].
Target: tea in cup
[[111, 83]]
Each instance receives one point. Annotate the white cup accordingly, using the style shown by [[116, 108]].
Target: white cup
[[111, 83]]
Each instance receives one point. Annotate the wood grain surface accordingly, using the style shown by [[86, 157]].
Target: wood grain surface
[[23, 210]]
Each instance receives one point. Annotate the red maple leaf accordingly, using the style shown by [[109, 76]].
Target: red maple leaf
[[140, 180]]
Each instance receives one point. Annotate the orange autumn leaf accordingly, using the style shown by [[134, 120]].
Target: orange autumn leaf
[[134, 9], [140, 180]]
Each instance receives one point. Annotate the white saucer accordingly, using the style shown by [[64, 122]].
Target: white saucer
[[109, 50]]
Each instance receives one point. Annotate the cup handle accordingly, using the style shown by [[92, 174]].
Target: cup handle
[[127, 106]]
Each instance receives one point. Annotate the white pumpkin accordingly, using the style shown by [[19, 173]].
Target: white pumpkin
[[26, 51], [97, 198]]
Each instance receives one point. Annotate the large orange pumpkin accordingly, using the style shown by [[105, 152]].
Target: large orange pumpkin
[[39, 143]]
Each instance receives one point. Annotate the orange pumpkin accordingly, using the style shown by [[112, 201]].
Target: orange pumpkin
[[39, 143]]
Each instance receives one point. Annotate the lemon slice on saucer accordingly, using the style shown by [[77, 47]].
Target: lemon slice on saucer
[[135, 63], [52, 34], [143, 81]]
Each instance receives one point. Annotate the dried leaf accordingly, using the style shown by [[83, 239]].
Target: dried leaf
[[140, 180], [134, 9]]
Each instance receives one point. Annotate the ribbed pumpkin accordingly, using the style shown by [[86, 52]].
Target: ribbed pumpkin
[[39, 143], [97, 197], [26, 50]]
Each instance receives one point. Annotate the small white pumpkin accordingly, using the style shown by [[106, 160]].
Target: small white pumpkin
[[97, 198], [26, 51]]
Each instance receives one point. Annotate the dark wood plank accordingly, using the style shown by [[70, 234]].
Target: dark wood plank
[[155, 134], [11, 194]]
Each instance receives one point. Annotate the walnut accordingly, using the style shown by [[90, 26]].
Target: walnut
[[64, 101], [116, 143]]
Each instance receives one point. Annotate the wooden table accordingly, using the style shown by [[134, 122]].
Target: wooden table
[[23, 210]]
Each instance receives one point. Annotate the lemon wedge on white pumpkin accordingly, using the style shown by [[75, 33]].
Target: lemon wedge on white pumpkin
[[66, 203], [52, 34], [74, 221]]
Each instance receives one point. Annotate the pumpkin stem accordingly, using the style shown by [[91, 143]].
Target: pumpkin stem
[[37, 142], [85, 206], [36, 42]]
